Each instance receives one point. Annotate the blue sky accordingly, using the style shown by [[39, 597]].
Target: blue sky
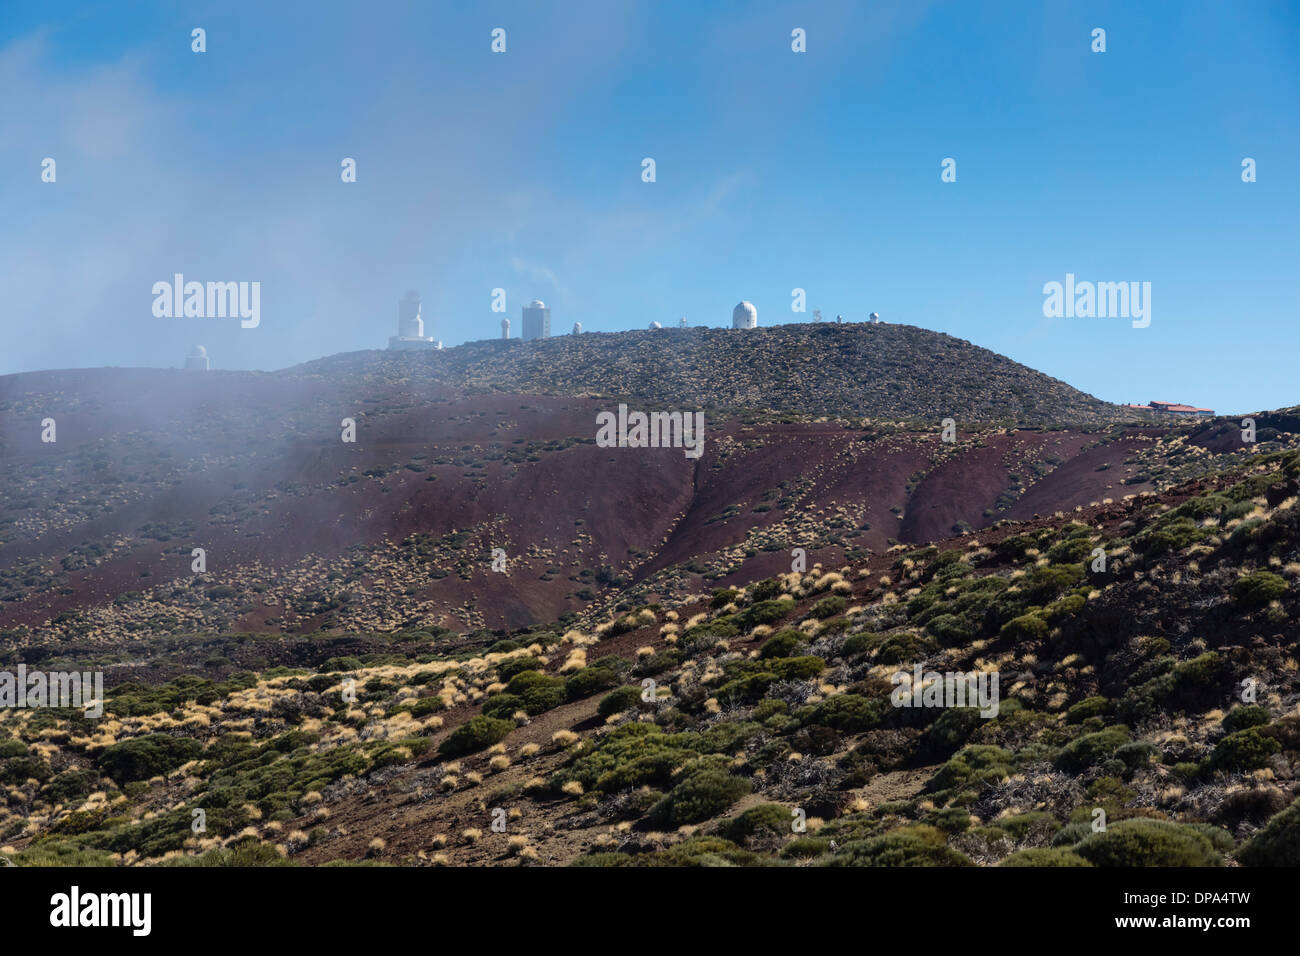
[[775, 170]]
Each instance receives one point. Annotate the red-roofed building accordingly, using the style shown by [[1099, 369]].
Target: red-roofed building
[[1174, 408]]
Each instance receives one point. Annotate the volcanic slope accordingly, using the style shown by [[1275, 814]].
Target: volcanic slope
[[857, 370], [301, 531], [756, 725]]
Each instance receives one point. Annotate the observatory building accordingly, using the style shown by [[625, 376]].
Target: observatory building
[[410, 327], [744, 316], [655, 325], [197, 360], [874, 318], [682, 323], [505, 328], [577, 328], [537, 320]]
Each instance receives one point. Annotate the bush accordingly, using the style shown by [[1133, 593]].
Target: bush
[[538, 692], [702, 794], [1080, 754], [1250, 715], [70, 785], [1243, 751], [781, 644], [1258, 587], [1089, 707], [848, 713], [1071, 833], [973, 764], [508, 670], [478, 733], [618, 701], [503, 706], [913, 846], [143, 757], [771, 817], [1027, 627], [588, 681], [765, 612], [1278, 843], [1022, 825], [1143, 842], [1054, 856], [797, 668], [828, 606]]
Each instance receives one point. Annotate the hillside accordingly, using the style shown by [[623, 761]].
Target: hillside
[[754, 725], [303, 532], [856, 370]]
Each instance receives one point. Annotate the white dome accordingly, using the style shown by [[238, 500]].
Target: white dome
[[655, 325], [874, 316], [198, 352], [744, 316], [537, 304], [577, 328]]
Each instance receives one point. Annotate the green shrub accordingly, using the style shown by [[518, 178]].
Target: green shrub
[[1071, 833], [770, 817], [806, 848], [618, 701], [1022, 824], [796, 668], [509, 669], [588, 681], [700, 795], [952, 629], [765, 612], [781, 644], [140, 758], [828, 606], [974, 764], [1080, 754], [503, 706], [1243, 751], [903, 647], [1258, 587], [539, 692], [1249, 715], [70, 785], [1277, 843], [478, 733], [1143, 842], [919, 845], [1088, 707], [1045, 856], [847, 713], [1027, 627]]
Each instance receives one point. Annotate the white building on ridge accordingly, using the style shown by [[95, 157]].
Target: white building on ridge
[[744, 316], [410, 326]]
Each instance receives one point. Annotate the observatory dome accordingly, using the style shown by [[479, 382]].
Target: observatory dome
[[198, 352], [744, 316], [655, 325], [874, 317], [537, 304]]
